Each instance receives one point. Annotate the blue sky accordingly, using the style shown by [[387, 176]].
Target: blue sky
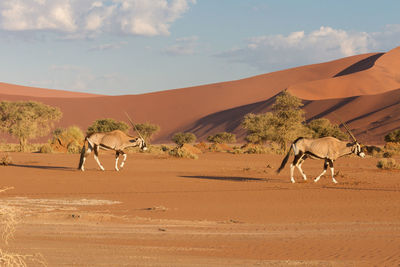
[[118, 47]]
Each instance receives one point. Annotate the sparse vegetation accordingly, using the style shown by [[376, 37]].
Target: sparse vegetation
[[282, 125], [26, 120], [147, 130], [69, 140], [388, 164], [183, 152], [393, 136], [9, 218], [107, 125], [323, 127], [222, 138], [46, 148], [183, 138], [5, 159]]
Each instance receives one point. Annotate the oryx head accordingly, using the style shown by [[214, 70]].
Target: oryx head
[[355, 146], [356, 149], [140, 140]]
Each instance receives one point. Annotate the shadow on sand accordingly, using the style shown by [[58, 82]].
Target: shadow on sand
[[231, 178], [44, 167]]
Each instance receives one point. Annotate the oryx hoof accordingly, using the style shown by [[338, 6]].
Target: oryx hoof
[[334, 180], [293, 181]]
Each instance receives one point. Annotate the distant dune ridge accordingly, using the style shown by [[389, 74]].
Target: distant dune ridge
[[364, 90]]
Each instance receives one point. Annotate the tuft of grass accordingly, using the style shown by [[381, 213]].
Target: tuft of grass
[[5, 159], [46, 148], [388, 164], [181, 152]]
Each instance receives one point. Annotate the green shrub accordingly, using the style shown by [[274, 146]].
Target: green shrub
[[323, 127], [222, 138], [393, 136], [183, 138], [74, 147], [388, 164], [46, 148], [107, 125]]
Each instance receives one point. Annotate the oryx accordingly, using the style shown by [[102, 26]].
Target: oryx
[[327, 148], [115, 140]]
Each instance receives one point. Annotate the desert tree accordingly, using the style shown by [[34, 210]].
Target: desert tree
[[147, 130], [323, 127], [183, 138], [107, 125], [284, 124], [27, 120]]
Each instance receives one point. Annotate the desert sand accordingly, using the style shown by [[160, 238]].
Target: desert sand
[[220, 210]]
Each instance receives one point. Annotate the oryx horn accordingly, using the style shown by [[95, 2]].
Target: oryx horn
[[347, 128], [133, 125]]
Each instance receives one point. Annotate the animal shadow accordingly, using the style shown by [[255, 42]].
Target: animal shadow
[[228, 178], [43, 167]]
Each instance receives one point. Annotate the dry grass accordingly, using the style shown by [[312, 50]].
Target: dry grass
[[9, 218], [5, 159], [388, 164]]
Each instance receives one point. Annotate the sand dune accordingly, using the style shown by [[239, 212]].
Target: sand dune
[[382, 76], [12, 89], [342, 85]]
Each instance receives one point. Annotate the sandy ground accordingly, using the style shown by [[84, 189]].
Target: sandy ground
[[219, 210]]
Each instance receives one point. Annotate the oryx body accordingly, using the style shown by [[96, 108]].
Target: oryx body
[[115, 140], [327, 148]]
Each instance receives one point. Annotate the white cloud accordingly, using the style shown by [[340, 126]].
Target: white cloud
[[183, 46], [273, 52], [108, 46], [88, 17]]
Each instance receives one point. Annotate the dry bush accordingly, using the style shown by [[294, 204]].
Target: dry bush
[[271, 148], [184, 152], [46, 148], [68, 140], [388, 164], [217, 147], [5, 159], [393, 148]]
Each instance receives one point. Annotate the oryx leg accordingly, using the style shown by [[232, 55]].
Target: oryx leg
[[96, 156], [85, 154], [123, 161], [332, 171], [295, 163], [302, 159], [117, 153], [325, 167]]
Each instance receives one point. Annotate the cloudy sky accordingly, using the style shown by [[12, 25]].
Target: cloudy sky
[[117, 47]]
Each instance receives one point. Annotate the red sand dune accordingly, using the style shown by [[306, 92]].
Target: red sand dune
[[341, 85], [12, 89]]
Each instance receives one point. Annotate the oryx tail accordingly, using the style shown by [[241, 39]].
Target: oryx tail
[[285, 160], [83, 152]]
